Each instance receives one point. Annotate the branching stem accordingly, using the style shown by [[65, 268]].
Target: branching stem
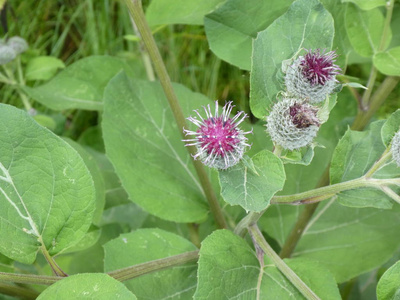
[[281, 265]]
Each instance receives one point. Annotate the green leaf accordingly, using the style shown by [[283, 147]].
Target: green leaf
[[389, 285], [341, 42], [115, 193], [353, 157], [97, 179], [80, 85], [303, 156], [179, 11], [151, 244], [43, 67], [253, 190], [229, 269], [367, 4], [364, 29], [307, 24], [388, 62], [391, 126], [231, 27], [145, 147], [46, 191], [341, 238], [87, 286], [355, 85]]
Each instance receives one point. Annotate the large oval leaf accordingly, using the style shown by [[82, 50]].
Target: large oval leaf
[[307, 24], [229, 269], [231, 27], [148, 245], [350, 241], [179, 11], [364, 29], [80, 85], [87, 286], [144, 144], [252, 183], [46, 191]]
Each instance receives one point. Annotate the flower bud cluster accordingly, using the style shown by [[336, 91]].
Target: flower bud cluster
[[293, 122], [11, 48]]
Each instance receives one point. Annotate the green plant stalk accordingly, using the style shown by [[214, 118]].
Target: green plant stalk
[[15, 83], [29, 278], [383, 91], [328, 191], [155, 265], [56, 268], [145, 56], [366, 101], [387, 154], [136, 11], [120, 274], [17, 291], [281, 265]]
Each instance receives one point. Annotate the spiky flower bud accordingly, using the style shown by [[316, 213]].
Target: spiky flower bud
[[220, 142], [396, 148], [312, 76], [7, 54], [292, 123], [18, 44]]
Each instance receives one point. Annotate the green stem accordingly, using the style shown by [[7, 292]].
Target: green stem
[[366, 101], [17, 291], [325, 192], [383, 91], [121, 274], [194, 234], [136, 11], [247, 221], [145, 56], [155, 265], [29, 278], [380, 163], [281, 265], [56, 268]]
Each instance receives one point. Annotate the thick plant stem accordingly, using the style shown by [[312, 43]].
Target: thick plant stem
[[121, 274], [56, 268], [281, 265], [17, 291], [136, 11], [29, 278], [155, 265], [377, 100], [145, 56]]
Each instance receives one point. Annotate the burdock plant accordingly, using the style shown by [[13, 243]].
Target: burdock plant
[[312, 76], [219, 141], [292, 123]]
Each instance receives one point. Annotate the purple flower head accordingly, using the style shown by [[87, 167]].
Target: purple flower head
[[313, 76], [318, 67], [220, 142]]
